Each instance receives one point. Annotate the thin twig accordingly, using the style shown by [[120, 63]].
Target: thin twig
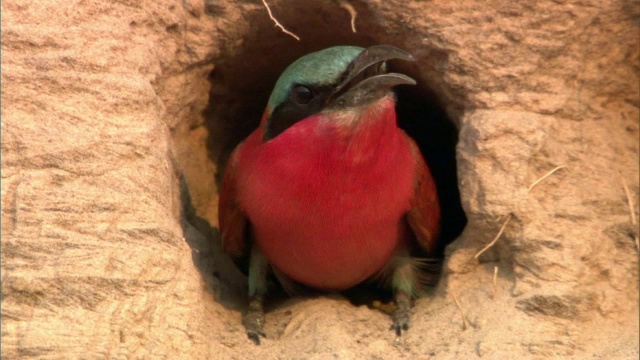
[[495, 239], [464, 318], [629, 200], [278, 23], [352, 11], [495, 282], [545, 176], [631, 210]]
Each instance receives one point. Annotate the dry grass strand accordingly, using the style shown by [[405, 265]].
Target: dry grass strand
[[631, 210], [495, 282], [629, 200], [464, 318], [504, 225], [545, 176]]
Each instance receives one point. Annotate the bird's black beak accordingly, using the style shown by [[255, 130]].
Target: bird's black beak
[[366, 78]]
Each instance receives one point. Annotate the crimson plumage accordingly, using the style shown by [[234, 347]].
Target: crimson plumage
[[333, 199]]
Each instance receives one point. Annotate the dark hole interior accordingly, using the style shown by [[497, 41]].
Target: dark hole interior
[[243, 79]]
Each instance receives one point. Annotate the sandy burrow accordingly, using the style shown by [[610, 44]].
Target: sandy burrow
[[102, 110]]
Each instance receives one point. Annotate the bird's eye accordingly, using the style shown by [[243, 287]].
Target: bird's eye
[[302, 94]]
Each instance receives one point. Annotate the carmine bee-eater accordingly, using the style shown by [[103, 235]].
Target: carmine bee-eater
[[328, 192]]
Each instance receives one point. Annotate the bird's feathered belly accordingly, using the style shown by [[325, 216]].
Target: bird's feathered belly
[[325, 212]]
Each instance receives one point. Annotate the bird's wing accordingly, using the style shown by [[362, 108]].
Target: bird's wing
[[233, 222], [424, 215]]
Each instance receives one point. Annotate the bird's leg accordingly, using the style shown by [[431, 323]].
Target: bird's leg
[[402, 315], [404, 283], [254, 318]]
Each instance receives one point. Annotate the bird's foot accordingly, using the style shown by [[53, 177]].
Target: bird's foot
[[402, 314], [253, 320]]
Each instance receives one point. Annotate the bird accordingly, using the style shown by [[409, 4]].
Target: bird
[[328, 192]]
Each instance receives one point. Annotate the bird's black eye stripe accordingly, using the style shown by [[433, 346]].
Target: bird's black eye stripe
[[301, 94], [303, 101]]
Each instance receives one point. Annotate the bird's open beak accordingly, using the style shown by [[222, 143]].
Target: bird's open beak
[[366, 78]]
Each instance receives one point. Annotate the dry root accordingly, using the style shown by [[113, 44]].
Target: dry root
[[278, 23], [352, 11]]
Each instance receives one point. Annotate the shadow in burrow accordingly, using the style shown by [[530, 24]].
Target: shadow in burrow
[[221, 274], [242, 82]]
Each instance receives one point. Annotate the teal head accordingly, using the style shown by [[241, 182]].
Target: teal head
[[333, 78]]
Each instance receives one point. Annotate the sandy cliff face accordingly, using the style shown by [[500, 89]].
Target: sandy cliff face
[[107, 254]]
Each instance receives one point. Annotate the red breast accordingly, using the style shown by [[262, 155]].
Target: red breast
[[327, 197]]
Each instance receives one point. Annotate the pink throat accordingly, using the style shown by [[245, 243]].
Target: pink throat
[[326, 198]]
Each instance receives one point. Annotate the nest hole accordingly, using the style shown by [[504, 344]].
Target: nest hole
[[244, 77]]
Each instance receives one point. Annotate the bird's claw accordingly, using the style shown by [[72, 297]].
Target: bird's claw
[[402, 314], [400, 321], [255, 336], [253, 322]]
